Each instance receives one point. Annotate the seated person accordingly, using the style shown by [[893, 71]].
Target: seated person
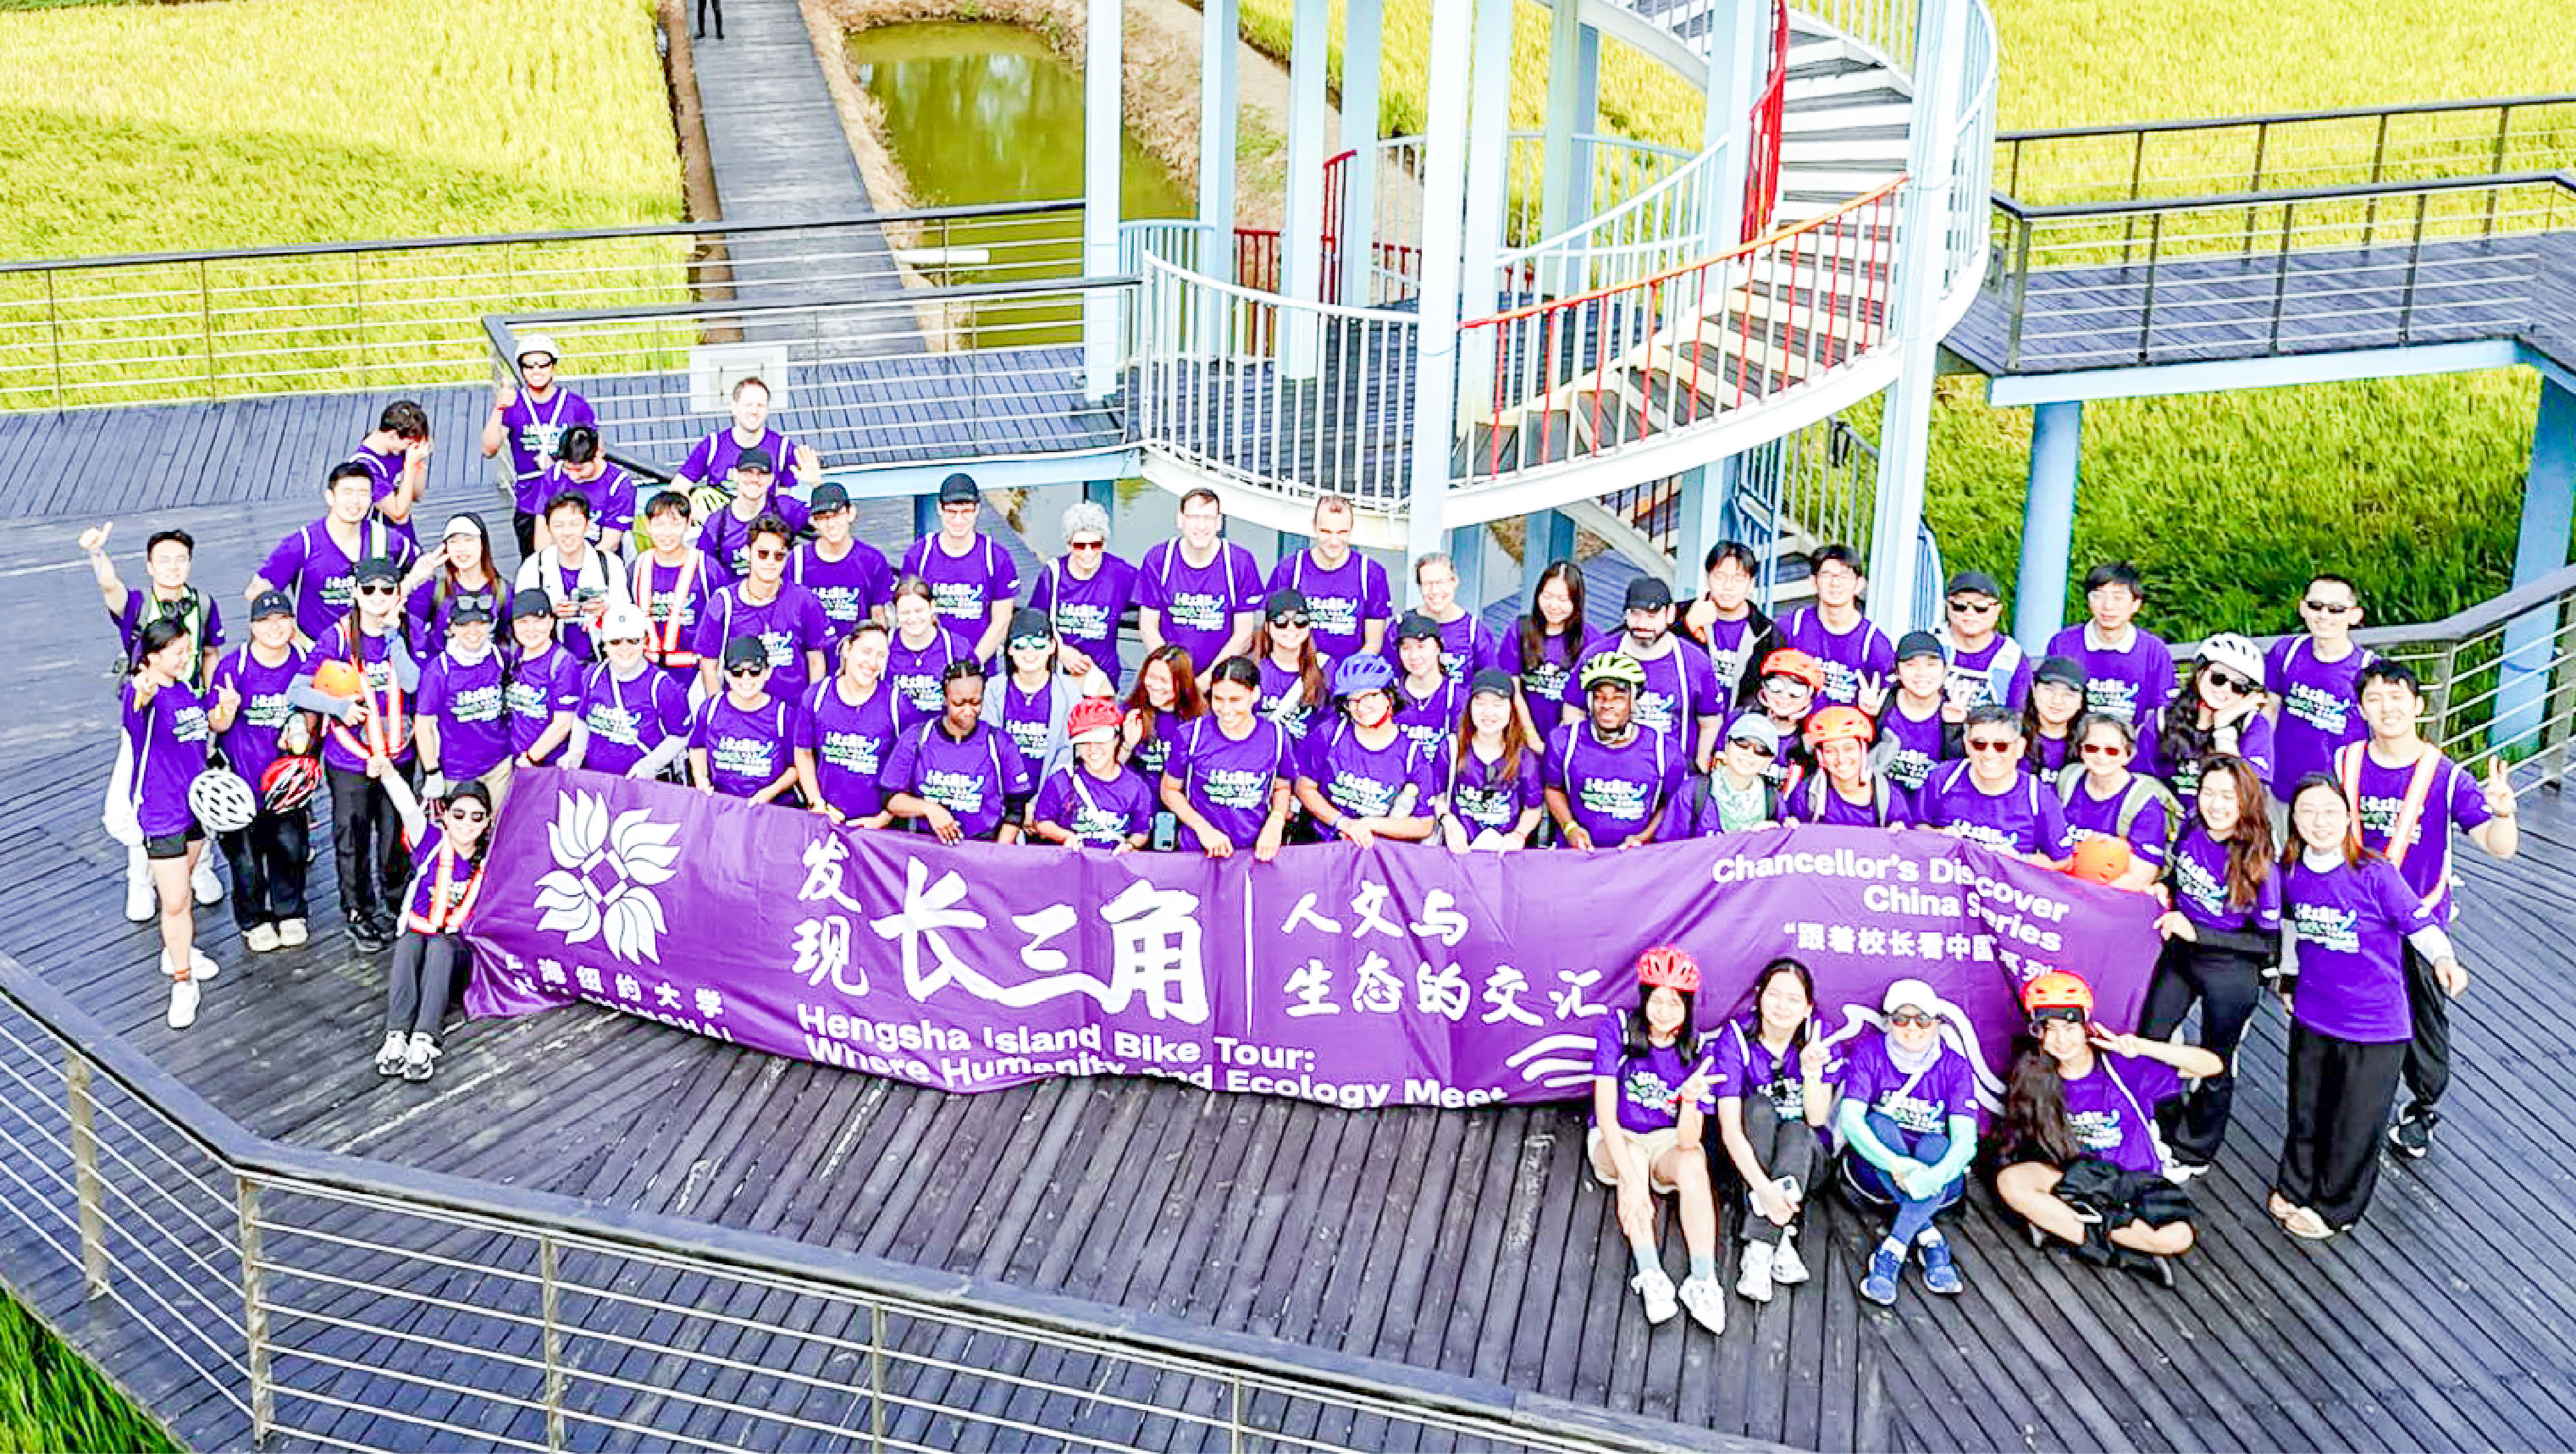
[[1908, 1117], [1648, 1079], [1771, 1098]]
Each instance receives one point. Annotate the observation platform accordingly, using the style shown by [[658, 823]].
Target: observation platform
[[666, 1240]]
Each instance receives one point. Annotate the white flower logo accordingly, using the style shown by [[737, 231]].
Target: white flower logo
[[602, 884]]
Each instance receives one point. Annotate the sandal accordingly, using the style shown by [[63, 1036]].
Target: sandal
[[2280, 1208], [2304, 1223]]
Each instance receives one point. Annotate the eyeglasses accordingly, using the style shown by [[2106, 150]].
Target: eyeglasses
[[1910, 1020], [769, 555], [2218, 677], [2331, 608], [2105, 749], [1289, 618], [1086, 545], [1761, 750], [1992, 744], [1967, 606], [378, 588], [468, 815]]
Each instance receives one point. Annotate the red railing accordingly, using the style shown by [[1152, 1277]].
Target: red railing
[[1821, 289], [1762, 161]]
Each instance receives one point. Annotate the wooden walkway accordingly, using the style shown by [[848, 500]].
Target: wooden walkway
[[1469, 1243]]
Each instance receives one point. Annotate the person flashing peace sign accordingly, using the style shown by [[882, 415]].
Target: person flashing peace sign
[[1649, 1078]]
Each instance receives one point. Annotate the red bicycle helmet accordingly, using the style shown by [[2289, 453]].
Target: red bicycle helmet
[[1667, 967]]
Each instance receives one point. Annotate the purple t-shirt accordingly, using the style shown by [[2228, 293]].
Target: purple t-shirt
[[684, 590], [2253, 743], [848, 588], [964, 587], [382, 693], [915, 673], [747, 748], [1979, 677], [974, 779], [2112, 1110], [1860, 655], [611, 494], [384, 476], [168, 737], [2086, 815], [531, 433], [1484, 796], [627, 720], [1366, 782], [1909, 748], [2320, 708], [2134, 683], [1341, 601], [310, 566], [251, 742], [2054, 754], [1086, 613], [1198, 603], [1811, 799], [1613, 792], [850, 744], [2453, 800], [429, 900], [1548, 683], [1649, 1085], [2199, 878], [467, 701], [789, 624], [1920, 1102], [1431, 722], [2025, 817], [711, 459], [1747, 1070], [726, 536], [1467, 646], [1098, 814], [539, 687], [1277, 682], [430, 610], [2351, 924], [1227, 780], [1681, 688], [1028, 716], [136, 615]]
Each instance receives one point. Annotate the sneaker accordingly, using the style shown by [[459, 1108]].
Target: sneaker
[[183, 1003], [1940, 1271], [1657, 1289], [1879, 1283], [2155, 1269], [417, 1060], [1787, 1268], [389, 1056], [2183, 1171], [1754, 1282], [201, 968], [142, 905], [1707, 1305], [2412, 1136], [362, 935], [290, 933], [205, 882], [260, 938]]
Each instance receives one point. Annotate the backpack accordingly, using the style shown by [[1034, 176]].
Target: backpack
[[2134, 799]]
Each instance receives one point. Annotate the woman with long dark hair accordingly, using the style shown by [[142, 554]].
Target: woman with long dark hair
[[2105, 799], [1772, 1101], [1294, 677], [2222, 937], [461, 570], [1227, 778], [1547, 644], [167, 735], [2048, 718], [1493, 793], [2220, 713], [1649, 1077]]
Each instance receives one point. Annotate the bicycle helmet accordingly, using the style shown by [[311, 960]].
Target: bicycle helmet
[[1790, 662], [221, 801], [1840, 724], [1093, 715], [1614, 668], [1668, 967], [336, 678], [2057, 990], [1363, 673], [2237, 654], [2100, 859], [289, 783]]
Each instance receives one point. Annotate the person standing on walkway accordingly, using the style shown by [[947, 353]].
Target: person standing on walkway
[[973, 581], [461, 571], [725, 534], [582, 580], [2314, 683], [785, 617], [395, 455], [462, 717], [1985, 665], [252, 721], [631, 718], [1229, 775], [1725, 620], [713, 459], [1086, 592], [527, 422], [1611, 784], [1858, 657], [315, 564], [2222, 942], [1548, 646], [848, 577], [2407, 797], [365, 651], [2128, 670], [1467, 644], [2220, 711], [1681, 700], [166, 734], [1347, 593], [168, 595], [847, 731], [1199, 592], [585, 467], [1992, 799]]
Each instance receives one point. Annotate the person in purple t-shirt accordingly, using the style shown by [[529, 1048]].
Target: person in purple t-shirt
[[742, 742], [529, 421], [1492, 786], [1428, 697], [167, 559], [919, 653], [584, 581], [447, 858], [674, 581], [372, 715], [1361, 778], [1915, 730], [1610, 783], [586, 467], [2084, 1162], [2105, 798], [1650, 1074], [1857, 655], [167, 734], [1985, 664], [2354, 919], [1228, 776], [1199, 592], [972, 578], [2221, 712], [1990, 799], [254, 724], [461, 720], [1296, 690], [2048, 718], [2222, 942], [632, 718], [726, 534], [1548, 645], [1724, 621], [2407, 797], [313, 565], [1467, 644], [714, 460], [1094, 800], [544, 687], [847, 576], [786, 618], [461, 569], [1682, 700], [1908, 1116], [395, 455], [2314, 684], [1844, 790], [1086, 593], [1347, 592], [957, 775], [1770, 1101], [2128, 671], [846, 732]]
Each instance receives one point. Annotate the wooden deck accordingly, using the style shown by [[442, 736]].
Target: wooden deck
[[1468, 1243]]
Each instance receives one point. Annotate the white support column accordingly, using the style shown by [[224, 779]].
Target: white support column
[[1573, 109], [1488, 196], [1103, 139], [1904, 445], [1444, 204], [1737, 67], [1218, 107], [1363, 36], [1301, 234]]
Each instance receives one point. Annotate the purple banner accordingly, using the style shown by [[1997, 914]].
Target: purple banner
[[1399, 974]]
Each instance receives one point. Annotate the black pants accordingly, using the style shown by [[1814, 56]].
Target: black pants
[[268, 860], [2340, 1092], [2228, 985], [416, 989], [1784, 1147], [366, 844], [525, 523], [703, 7], [2428, 1055]]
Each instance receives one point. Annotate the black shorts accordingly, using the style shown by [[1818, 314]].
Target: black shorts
[[173, 845], [2124, 1196]]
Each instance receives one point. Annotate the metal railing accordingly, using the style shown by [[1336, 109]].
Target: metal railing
[[1812, 487], [168, 327], [1972, 160], [1768, 128], [1885, 28], [316, 1299], [1660, 227], [2372, 265], [2288, 150]]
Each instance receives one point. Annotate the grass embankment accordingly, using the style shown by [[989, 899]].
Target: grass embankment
[[2412, 486], [52, 1401], [130, 129]]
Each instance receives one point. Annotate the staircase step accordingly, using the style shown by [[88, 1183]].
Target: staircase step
[[1845, 118], [1838, 150], [1853, 82]]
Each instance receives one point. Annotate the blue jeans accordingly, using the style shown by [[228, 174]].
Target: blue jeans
[[1913, 1214]]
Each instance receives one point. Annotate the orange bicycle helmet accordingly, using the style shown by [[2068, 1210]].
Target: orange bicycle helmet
[[2100, 859], [1789, 661], [2057, 990], [1840, 724]]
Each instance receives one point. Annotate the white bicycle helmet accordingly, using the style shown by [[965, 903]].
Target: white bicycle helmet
[[221, 801]]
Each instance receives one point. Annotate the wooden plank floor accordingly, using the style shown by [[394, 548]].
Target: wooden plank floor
[[1468, 1243]]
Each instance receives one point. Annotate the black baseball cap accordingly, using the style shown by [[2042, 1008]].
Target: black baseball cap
[[1974, 583], [1491, 679], [376, 568], [755, 458], [826, 498], [745, 651], [959, 489], [1648, 593], [2065, 671], [271, 603], [1029, 624], [1415, 626], [470, 608], [1920, 643], [530, 603], [1282, 602]]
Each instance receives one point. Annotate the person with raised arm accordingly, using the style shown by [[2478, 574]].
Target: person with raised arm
[[714, 460], [462, 569], [2219, 713], [1347, 593], [528, 420], [167, 595], [1199, 591], [395, 455], [972, 579]]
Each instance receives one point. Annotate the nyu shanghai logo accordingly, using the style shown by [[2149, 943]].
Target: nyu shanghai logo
[[605, 870]]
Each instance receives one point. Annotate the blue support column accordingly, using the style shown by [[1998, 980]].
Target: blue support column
[[1546, 537], [1301, 232], [1444, 205], [1467, 553], [1103, 493], [1701, 523], [1103, 140], [1218, 106], [1488, 191], [925, 516], [2047, 523], [2548, 514], [1363, 37]]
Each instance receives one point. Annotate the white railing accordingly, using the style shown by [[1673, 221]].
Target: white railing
[[1970, 234], [1658, 228], [1884, 27]]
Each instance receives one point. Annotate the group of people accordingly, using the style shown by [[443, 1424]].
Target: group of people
[[739, 638]]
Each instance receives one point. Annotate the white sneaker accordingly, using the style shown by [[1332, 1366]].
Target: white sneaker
[[142, 905], [290, 933], [1707, 1305], [183, 1003], [208, 885], [417, 1060], [1657, 1289], [260, 938], [1755, 1281], [201, 968], [389, 1056], [1786, 1267]]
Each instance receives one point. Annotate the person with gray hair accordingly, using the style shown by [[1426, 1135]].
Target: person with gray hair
[[1085, 593]]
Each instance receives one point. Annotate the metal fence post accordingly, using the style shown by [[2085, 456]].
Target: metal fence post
[[2414, 270], [85, 1179], [2147, 314], [2020, 291], [550, 1298], [54, 326], [263, 1404], [2281, 271], [876, 1377], [1234, 1419], [2441, 691], [358, 307]]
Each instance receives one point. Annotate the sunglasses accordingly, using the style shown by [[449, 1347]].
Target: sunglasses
[[746, 671], [1087, 545], [531, 365], [769, 555], [1910, 1019], [1990, 744], [626, 641], [1289, 618], [1761, 750], [378, 588], [2330, 608], [468, 815], [1967, 607], [2040, 1022], [2230, 681], [2105, 749]]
